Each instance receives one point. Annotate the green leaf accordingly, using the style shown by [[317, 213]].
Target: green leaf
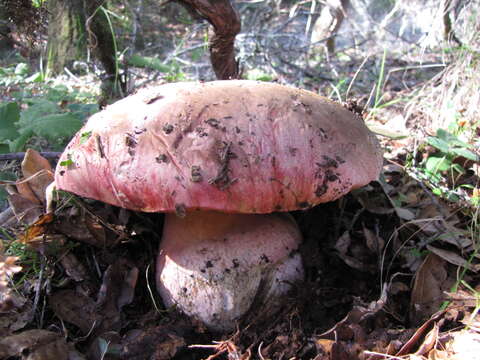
[[66, 162], [54, 126], [458, 168], [36, 77], [59, 93], [258, 75], [37, 108], [148, 62], [85, 136], [9, 176], [83, 111], [21, 69], [9, 115], [451, 139], [438, 143], [467, 154], [19, 143], [435, 164]]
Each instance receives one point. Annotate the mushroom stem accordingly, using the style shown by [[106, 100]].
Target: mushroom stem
[[221, 267]]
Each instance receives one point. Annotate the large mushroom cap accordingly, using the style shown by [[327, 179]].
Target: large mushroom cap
[[234, 146]]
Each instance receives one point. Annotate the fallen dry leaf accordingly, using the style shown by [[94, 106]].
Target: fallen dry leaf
[[26, 191], [420, 337], [75, 308], [429, 342], [73, 267], [8, 268], [26, 211], [16, 317], [336, 350], [84, 227], [34, 344], [373, 241], [347, 328], [427, 292], [451, 257], [39, 172], [38, 228], [164, 341], [116, 291]]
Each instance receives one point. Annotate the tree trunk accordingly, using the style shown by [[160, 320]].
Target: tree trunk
[[74, 25], [102, 43], [66, 35], [6, 42]]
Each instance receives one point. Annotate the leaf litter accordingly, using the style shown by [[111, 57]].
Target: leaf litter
[[374, 282]]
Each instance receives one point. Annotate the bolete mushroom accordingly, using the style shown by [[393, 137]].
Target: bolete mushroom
[[211, 155]]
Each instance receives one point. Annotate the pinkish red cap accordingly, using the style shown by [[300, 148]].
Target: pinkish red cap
[[233, 146]]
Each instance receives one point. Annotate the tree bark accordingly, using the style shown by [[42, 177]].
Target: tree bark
[[74, 25], [66, 35], [102, 43], [226, 25]]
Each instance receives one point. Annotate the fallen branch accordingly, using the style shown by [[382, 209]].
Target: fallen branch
[[21, 155]]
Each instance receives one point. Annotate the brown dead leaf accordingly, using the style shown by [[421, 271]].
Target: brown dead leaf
[[39, 170], [26, 191], [427, 292], [373, 241], [34, 344], [451, 257], [117, 290], [332, 350], [164, 341], [436, 354], [38, 228], [84, 227], [73, 267], [347, 328], [75, 308], [15, 316], [169, 348], [376, 202], [26, 211], [416, 341], [343, 243], [404, 213], [8, 268], [429, 342]]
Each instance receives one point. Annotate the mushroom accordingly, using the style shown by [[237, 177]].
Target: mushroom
[[226, 160]]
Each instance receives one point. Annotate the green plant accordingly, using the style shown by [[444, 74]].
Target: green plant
[[28, 258], [41, 118], [39, 110], [259, 75], [444, 167]]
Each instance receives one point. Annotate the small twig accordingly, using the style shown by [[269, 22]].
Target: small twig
[[260, 351], [150, 290], [38, 289], [391, 357], [21, 155]]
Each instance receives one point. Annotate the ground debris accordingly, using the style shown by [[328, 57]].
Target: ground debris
[[36, 344], [227, 347]]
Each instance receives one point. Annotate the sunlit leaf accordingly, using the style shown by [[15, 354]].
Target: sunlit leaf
[[435, 164], [438, 143], [467, 154], [9, 115]]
